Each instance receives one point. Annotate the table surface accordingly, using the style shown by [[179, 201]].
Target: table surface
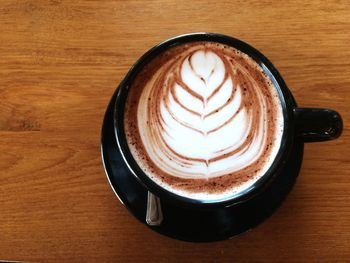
[[60, 62]]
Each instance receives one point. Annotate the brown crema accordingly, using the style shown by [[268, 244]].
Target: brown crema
[[163, 73]]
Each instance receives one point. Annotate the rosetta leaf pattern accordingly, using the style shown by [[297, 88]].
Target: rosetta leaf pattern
[[205, 115], [206, 106]]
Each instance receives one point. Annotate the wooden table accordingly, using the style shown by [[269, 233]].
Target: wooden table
[[60, 62]]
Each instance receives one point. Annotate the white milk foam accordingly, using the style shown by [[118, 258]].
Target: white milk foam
[[194, 130]]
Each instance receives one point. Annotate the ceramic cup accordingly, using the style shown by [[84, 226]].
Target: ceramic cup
[[300, 124]]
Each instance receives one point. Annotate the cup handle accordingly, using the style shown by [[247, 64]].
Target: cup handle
[[316, 125]]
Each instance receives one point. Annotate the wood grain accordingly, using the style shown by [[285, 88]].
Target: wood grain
[[60, 62]]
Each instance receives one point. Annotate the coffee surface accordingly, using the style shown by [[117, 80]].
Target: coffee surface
[[203, 120]]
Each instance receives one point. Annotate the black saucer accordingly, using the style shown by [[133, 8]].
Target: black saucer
[[187, 224]]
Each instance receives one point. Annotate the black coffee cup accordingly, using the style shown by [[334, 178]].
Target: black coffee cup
[[300, 124]]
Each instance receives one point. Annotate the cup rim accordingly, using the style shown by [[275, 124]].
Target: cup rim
[[285, 96]]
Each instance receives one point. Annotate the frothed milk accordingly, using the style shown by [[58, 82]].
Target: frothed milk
[[203, 120]]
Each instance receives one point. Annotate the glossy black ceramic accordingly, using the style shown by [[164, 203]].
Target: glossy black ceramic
[[299, 124], [191, 224], [194, 220]]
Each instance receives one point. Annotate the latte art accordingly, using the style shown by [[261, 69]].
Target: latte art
[[208, 121]]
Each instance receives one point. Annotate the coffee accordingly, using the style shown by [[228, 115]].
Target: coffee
[[203, 120]]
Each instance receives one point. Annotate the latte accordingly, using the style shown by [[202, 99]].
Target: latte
[[203, 120]]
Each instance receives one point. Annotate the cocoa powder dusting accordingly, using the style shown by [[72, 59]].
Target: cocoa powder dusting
[[244, 73]]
